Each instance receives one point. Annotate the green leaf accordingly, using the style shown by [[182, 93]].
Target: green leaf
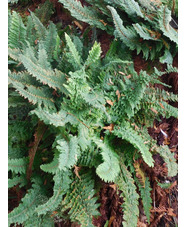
[[17, 31], [131, 7], [51, 167], [129, 134], [109, 169], [126, 184], [55, 118], [80, 202], [27, 206], [69, 152], [146, 197], [83, 13], [73, 50], [39, 95], [167, 57], [21, 180], [41, 69], [83, 137], [18, 165], [169, 159], [40, 28], [61, 186], [164, 22], [94, 54]]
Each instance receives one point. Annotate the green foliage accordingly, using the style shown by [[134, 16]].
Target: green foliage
[[69, 152], [126, 184], [73, 51], [79, 202], [109, 169], [94, 54], [16, 31], [169, 159], [18, 165], [164, 23], [149, 36], [21, 180], [27, 206], [42, 221], [61, 185], [95, 110], [127, 133], [146, 197], [82, 12]]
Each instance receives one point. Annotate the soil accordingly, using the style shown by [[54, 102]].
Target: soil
[[165, 201]]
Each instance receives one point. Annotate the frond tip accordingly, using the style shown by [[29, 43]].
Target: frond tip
[[109, 169]]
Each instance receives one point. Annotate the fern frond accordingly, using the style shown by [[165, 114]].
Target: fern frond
[[27, 206], [17, 31], [79, 201], [150, 6], [30, 31], [69, 152], [83, 13], [21, 180], [39, 95], [144, 32], [23, 78], [73, 50], [89, 157], [51, 167], [18, 165], [40, 28], [61, 186], [167, 57], [54, 79], [171, 69], [14, 53], [126, 184], [165, 95], [146, 197], [51, 41], [109, 169], [127, 35], [13, 1], [95, 99], [83, 137], [164, 15], [131, 7], [166, 109], [57, 119], [41, 221], [139, 173], [94, 54], [127, 133], [169, 159]]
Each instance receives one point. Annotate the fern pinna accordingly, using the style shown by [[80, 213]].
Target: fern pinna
[[74, 120]]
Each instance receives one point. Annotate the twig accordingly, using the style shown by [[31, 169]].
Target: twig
[[37, 138]]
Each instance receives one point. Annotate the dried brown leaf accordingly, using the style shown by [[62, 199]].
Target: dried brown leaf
[[118, 94], [110, 127], [76, 171], [113, 186], [153, 110], [110, 102]]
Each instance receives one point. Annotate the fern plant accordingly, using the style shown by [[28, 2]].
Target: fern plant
[[148, 29], [85, 119]]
